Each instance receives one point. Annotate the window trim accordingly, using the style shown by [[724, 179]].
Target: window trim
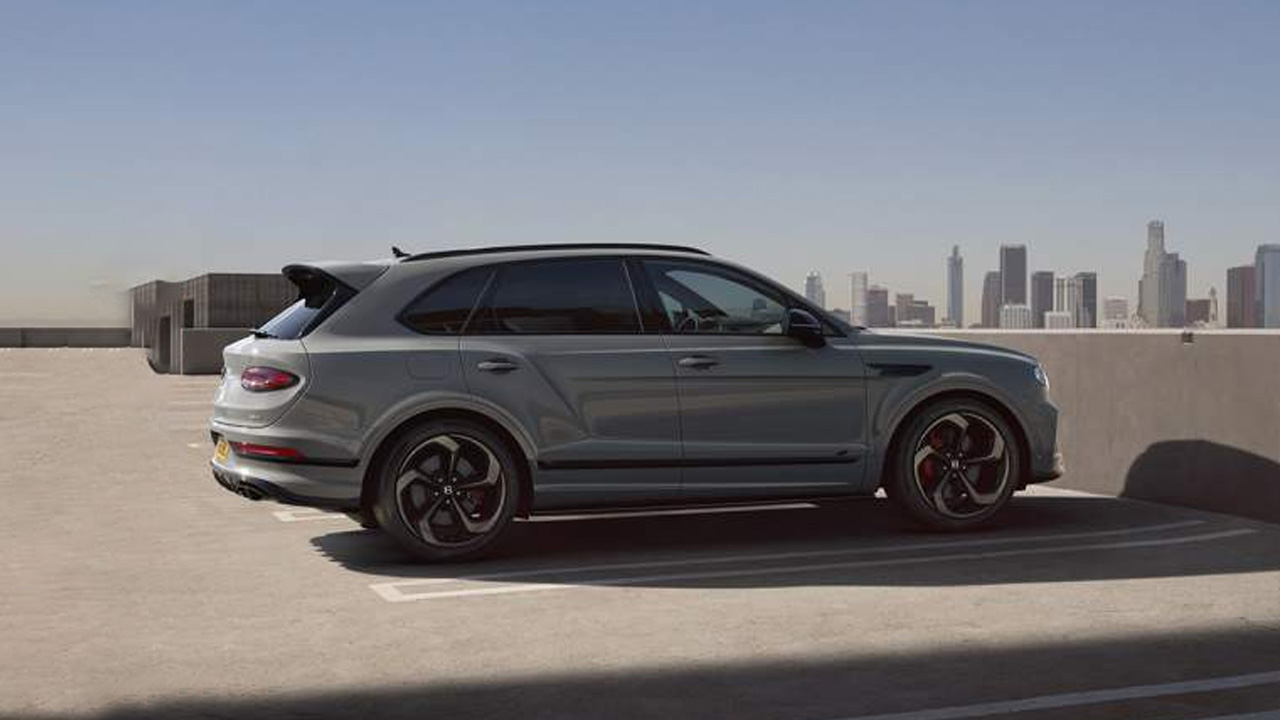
[[486, 298]]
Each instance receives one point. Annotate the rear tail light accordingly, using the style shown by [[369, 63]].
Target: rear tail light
[[267, 452], [265, 379]]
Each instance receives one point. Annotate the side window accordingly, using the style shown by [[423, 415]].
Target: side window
[[561, 297], [703, 300], [445, 307]]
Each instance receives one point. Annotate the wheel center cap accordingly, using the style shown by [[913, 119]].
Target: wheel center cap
[[955, 464], [448, 489]]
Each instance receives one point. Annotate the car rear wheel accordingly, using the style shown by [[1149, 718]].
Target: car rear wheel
[[448, 490], [957, 464]]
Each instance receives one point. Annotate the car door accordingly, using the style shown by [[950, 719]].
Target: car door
[[761, 414], [560, 345]]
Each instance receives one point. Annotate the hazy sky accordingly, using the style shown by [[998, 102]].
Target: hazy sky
[[171, 138]]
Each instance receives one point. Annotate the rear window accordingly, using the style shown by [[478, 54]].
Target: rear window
[[444, 309], [318, 296], [560, 297]]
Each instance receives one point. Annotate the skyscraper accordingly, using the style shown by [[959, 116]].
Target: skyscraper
[[858, 299], [1198, 312], [991, 299], [1162, 291], [1041, 296], [813, 291], [1149, 285], [1013, 274], [1068, 298], [1267, 281], [955, 287], [1242, 297], [878, 307], [1088, 282]]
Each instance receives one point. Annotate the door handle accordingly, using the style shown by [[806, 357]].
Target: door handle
[[497, 365], [698, 362]]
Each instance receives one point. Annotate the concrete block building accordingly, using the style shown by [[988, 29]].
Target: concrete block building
[[184, 325]]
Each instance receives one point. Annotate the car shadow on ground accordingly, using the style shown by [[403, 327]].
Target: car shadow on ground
[[800, 688], [863, 542], [1209, 476]]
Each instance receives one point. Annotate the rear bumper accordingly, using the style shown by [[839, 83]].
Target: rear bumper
[[320, 483], [258, 489]]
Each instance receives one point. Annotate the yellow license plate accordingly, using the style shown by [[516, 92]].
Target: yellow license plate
[[222, 451]]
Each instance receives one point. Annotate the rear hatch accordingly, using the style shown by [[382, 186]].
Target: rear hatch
[[278, 346]]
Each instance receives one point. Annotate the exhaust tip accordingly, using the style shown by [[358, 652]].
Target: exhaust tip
[[250, 492]]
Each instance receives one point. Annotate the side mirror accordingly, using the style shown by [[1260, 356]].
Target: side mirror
[[803, 326]]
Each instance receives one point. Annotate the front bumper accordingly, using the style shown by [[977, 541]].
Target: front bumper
[[1053, 472]]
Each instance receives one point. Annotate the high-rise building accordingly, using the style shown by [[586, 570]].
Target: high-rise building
[[878, 307], [1242, 297], [1197, 312], [955, 287], [1015, 317], [991, 299], [1115, 312], [1041, 296], [1088, 282], [902, 307], [1162, 291], [1267, 283], [813, 291], [1058, 320], [1068, 297], [858, 299], [1013, 274], [1149, 285], [1213, 308]]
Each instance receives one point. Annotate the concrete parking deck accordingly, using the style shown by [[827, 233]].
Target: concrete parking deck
[[135, 587]]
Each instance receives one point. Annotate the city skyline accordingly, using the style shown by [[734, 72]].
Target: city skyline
[[1161, 300]]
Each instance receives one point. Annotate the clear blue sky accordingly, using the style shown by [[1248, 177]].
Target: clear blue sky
[[170, 138]]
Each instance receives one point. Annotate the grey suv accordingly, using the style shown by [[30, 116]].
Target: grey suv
[[440, 395]]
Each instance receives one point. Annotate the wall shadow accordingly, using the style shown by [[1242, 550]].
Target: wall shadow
[[1207, 476], [863, 528], [842, 685]]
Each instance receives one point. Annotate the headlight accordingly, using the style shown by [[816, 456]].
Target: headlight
[[1041, 376]]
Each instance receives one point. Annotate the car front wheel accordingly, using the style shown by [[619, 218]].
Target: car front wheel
[[448, 490], [957, 465]]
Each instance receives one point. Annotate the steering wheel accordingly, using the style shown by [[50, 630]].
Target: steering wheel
[[690, 323]]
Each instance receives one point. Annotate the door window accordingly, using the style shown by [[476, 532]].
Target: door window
[[701, 300], [562, 297]]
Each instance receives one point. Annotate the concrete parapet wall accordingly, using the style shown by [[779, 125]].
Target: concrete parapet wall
[[201, 348], [64, 337], [1189, 420]]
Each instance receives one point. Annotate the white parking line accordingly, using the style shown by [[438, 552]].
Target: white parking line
[[676, 511], [306, 514], [1049, 702], [395, 591]]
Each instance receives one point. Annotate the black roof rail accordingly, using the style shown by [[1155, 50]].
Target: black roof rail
[[554, 246]]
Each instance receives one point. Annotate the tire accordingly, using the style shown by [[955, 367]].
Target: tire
[[443, 516], [955, 466], [366, 521]]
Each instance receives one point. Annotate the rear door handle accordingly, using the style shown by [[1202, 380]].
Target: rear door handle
[[497, 365], [698, 362]]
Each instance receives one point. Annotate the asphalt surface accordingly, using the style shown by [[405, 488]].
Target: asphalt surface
[[133, 586]]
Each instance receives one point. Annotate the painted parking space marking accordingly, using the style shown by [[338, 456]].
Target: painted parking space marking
[[408, 590], [307, 515], [1092, 697], [672, 512]]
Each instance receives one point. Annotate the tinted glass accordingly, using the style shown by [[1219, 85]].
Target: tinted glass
[[319, 296], [703, 300], [561, 297], [444, 309]]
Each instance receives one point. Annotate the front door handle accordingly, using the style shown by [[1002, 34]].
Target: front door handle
[[698, 362], [497, 365]]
